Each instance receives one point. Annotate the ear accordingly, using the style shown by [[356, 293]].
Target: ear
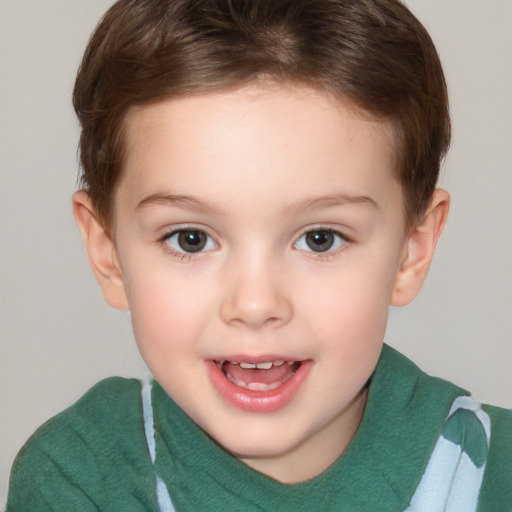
[[101, 251], [419, 250]]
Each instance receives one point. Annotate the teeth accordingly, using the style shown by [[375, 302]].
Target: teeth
[[264, 366], [257, 386], [261, 366], [239, 383]]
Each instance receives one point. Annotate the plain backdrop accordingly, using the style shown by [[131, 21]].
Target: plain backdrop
[[58, 337]]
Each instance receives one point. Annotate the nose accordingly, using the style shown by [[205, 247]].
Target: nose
[[255, 296]]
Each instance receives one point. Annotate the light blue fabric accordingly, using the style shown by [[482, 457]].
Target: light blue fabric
[[454, 474], [163, 496]]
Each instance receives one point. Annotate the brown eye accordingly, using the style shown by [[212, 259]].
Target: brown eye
[[320, 240], [190, 241]]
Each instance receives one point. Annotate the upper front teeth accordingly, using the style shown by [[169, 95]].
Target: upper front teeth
[[261, 366]]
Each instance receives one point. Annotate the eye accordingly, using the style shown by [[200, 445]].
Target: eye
[[190, 241], [320, 240]]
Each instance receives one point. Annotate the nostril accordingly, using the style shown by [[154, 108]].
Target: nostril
[[255, 300]]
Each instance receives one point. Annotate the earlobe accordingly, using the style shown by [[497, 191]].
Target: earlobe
[[101, 251], [419, 250]]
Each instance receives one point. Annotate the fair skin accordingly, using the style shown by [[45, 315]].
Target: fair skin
[[257, 226]]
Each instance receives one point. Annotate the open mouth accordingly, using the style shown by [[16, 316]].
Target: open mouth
[[262, 376], [262, 385]]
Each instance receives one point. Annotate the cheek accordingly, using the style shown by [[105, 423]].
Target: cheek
[[349, 311], [350, 326], [167, 311], [350, 295]]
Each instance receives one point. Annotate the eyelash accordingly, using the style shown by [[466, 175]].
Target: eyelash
[[342, 243], [184, 257]]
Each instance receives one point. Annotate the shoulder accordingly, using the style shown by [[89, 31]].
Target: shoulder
[[82, 452], [408, 383], [469, 444], [97, 413], [497, 484]]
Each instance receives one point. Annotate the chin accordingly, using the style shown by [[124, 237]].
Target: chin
[[252, 447]]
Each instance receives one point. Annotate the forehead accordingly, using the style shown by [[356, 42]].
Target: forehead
[[296, 103], [290, 136]]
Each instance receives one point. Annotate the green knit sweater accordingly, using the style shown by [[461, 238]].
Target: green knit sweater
[[94, 456]]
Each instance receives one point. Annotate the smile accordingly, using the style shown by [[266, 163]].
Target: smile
[[264, 376], [258, 386]]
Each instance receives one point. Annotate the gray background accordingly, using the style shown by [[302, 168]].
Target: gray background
[[58, 337]]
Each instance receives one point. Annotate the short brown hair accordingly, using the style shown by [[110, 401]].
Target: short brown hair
[[374, 53]]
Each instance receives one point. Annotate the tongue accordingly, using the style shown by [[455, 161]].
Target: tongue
[[275, 374]]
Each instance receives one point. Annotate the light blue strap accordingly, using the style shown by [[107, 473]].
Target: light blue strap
[[162, 493], [454, 474], [164, 500], [147, 415]]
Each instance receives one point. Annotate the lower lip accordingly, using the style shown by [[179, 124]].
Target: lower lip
[[258, 401]]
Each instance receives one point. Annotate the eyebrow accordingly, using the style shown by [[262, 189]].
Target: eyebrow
[[311, 204], [331, 200], [178, 201]]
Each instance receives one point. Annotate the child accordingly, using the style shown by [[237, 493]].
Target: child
[[258, 187]]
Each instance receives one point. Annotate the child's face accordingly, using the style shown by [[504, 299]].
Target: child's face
[[261, 226]]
